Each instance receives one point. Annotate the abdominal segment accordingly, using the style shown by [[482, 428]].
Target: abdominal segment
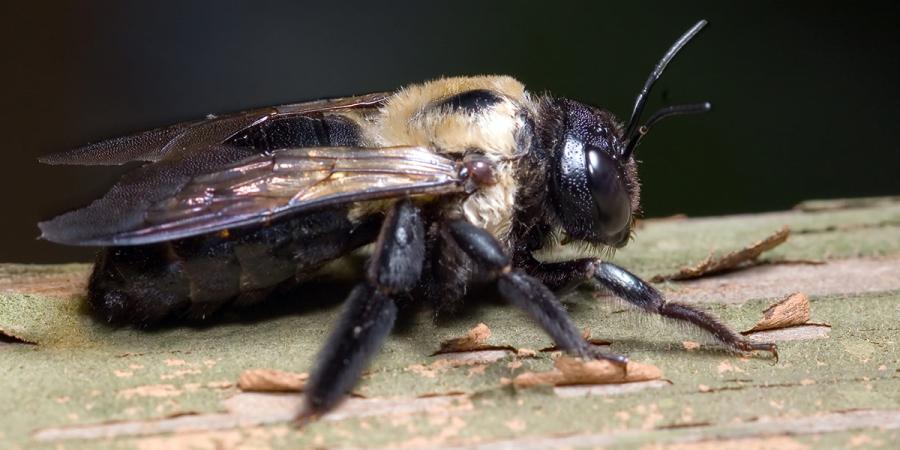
[[196, 276]]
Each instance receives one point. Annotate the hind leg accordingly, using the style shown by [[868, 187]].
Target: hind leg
[[370, 310]]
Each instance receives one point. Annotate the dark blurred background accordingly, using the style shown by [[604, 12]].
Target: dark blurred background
[[805, 94]]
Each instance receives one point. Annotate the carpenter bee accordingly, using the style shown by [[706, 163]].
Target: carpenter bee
[[456, 181]]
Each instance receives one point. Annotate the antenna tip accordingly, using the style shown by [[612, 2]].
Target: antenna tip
[[697, 27]]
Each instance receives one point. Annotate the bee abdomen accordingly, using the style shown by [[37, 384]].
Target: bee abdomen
[[141, 284], [195, 277], [299, 131]]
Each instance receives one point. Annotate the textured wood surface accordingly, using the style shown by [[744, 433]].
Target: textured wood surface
[[68, 381]]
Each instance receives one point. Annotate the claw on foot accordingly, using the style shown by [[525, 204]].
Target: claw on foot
[[305, 417], [619, 360], [765, 347]]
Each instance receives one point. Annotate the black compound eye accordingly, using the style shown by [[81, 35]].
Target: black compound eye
[[607, 186]]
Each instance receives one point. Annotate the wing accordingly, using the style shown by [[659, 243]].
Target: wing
[[155, 145], [175, 199]]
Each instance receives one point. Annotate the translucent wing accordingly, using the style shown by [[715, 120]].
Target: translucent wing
[[176, 140], [174, 199]]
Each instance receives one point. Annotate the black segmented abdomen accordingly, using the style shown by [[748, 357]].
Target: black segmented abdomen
[[196, 276], [300, 131]]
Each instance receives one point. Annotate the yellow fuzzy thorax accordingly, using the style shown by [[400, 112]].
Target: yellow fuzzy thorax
[[407, 119]]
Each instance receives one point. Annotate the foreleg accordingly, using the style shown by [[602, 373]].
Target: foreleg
[[632, 289], [558, 275], [629, 287]]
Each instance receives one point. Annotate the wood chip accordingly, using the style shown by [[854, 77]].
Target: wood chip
[[474, 340], [571, 371], [795, 262], [586, 335], [847, 203], [271, 380], [69, 282], [10, 338], [793, 311], [805, 332], [733, 260]]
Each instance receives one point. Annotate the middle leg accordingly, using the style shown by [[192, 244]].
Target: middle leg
[[525, 291]]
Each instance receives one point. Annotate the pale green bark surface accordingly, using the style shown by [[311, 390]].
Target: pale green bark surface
[[80, 384]]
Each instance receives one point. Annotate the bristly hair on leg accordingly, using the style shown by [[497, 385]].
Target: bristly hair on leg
[[629, 287]]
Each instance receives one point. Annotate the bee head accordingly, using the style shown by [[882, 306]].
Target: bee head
[[593, 183], [594, 191]]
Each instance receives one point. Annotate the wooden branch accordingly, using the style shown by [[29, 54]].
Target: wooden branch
[[72, 381]]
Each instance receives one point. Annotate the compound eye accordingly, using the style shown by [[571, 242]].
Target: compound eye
[[607, 186]]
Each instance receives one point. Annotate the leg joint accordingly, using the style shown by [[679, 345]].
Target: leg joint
[[396, 264], [480, 245]]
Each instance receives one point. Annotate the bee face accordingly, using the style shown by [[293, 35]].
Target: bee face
[[591, 184]]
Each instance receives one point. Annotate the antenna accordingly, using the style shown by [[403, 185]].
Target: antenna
[[631, 135], [668, 111]]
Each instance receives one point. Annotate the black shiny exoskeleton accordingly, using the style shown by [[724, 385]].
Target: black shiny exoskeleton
[[457, 181]]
